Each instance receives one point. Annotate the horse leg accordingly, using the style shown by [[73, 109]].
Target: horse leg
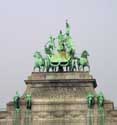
[[71, 67], [89, 68], [60, 69], [66, 68], [83, 68], [43, 68], [54, 69], [47, 69], [74, 66], [34, 68], [39, 68], [79, 67]]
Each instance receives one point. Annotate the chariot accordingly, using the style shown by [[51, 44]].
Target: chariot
[[60, 54]]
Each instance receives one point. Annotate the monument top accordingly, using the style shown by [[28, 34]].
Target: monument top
[[61, 54]]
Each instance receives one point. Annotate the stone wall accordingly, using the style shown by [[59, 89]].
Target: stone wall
[[59, 99]]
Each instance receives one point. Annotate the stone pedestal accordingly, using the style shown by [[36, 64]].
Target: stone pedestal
[[60, 99]]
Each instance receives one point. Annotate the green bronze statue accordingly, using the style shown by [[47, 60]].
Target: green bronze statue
[[83, 61], [100, 103], [100, 100], [61, 57], [90, 100], [69, 45], [73, 65], [61, 41], [43, 64], [50, 46], [67, 28], [69, 40], [39, 62], [61, 37], [28, 101], [16, 101]]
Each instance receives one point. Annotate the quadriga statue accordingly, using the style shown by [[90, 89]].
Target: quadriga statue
[[60, 55]]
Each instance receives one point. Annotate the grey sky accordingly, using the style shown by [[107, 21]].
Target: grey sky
[[25, 26]]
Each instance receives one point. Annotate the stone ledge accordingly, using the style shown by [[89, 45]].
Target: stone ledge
[[59, 75], [62, 83]]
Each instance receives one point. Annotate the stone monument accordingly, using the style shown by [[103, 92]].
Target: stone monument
[[61, 92]]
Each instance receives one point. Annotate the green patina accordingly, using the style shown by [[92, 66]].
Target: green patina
[[100, 100], [100, 103], [16, 101], [90, 100], [28, 101], [60, 54], [67, 27], [83, 60]]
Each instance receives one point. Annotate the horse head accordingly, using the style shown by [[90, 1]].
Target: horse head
[[85, 54], [37, 54]]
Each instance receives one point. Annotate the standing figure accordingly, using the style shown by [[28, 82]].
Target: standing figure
[[61, 41], [69, 41], [69, 46], [90, 100], [100, 100], [16, 101], [51, 43], [67, 28], [28, 101]]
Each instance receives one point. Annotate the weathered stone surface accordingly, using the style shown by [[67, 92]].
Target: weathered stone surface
[[59, 75], [59, 99]]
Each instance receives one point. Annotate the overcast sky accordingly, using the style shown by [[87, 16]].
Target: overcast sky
[[25, 26]]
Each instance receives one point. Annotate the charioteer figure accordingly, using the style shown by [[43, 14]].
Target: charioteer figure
[[51, 43], [61, 41], [67, 28]]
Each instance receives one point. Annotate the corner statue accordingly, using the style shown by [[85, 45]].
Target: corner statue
[[100, 100], [28, 101], [90, 100], [16, 101], [60, 55]]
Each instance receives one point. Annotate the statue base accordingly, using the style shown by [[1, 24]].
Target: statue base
[[60, 99]]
